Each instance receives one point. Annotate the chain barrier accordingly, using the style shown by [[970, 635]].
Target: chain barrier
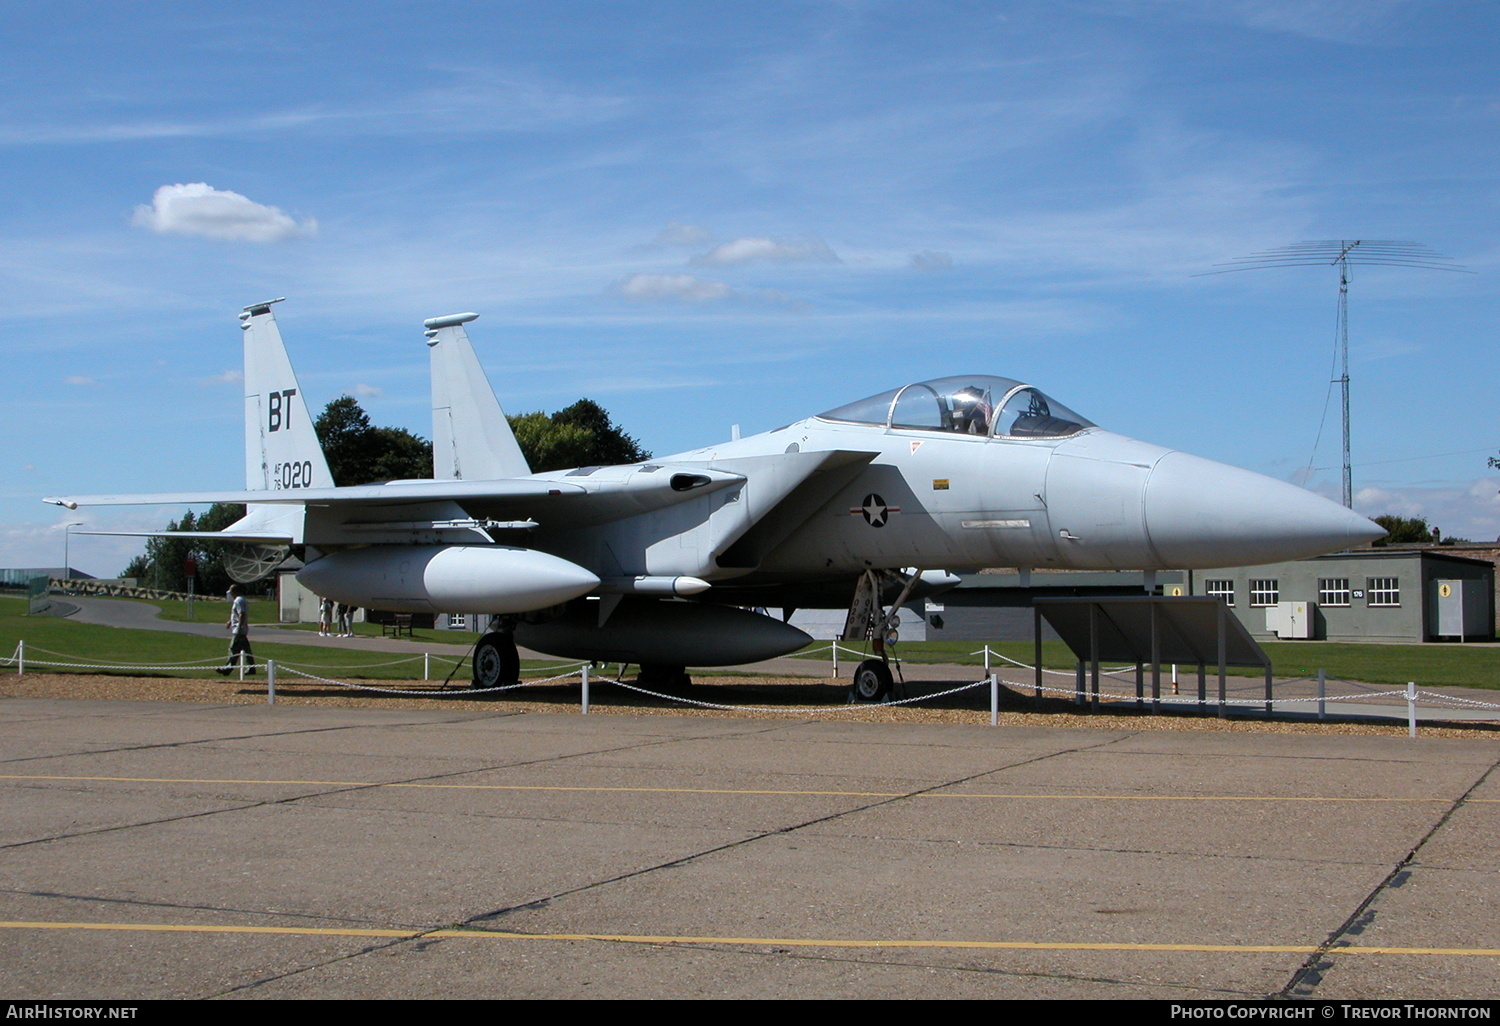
[[573, 670], [211, 664], [789, 709], [371, 666], [1437, 698], [1431, 697], [1028, 666], [186, 662], [427, 692]]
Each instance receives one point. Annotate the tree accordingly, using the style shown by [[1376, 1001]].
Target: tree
[[1406, 531], [611, 446], [580, 436], [548, 445], [360, 453]]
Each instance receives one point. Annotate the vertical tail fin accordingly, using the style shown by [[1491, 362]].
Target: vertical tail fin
[[471, 438], [281, 447]]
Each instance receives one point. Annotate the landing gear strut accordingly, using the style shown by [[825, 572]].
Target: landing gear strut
[[496, 662], [868, 621]]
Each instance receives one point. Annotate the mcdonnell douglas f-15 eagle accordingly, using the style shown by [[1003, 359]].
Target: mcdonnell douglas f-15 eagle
[[652, 563]]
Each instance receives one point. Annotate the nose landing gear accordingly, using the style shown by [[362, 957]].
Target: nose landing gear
[[868, 621]]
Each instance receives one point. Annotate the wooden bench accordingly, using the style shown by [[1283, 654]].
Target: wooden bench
[[400, 624]]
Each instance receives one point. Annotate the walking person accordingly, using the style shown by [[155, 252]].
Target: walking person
[[239, 631]]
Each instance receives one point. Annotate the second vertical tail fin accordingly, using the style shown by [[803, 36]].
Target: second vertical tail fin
[[471, 439]]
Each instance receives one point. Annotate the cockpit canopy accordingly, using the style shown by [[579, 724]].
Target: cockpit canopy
[[978, 404]]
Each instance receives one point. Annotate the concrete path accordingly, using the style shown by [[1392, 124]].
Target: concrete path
[[158, 850]]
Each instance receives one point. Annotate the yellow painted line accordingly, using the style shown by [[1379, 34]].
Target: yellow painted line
[[726, 790], [777, 942], [295, 931]]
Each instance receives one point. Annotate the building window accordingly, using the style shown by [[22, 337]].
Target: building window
[[1384, 591], [1264, 591], [1333, 591], [1220, 590]]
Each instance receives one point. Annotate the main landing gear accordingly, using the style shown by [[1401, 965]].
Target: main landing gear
[[671, 680], [496, 661]]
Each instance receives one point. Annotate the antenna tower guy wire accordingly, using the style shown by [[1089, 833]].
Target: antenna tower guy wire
[[1341, 253]]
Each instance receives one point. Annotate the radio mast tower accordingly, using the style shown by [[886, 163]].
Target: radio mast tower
[[1341, 253]]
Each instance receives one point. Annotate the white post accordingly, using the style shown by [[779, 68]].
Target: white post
[[585, 689], [21, 658], [1174, 678], [835, 658], [426, 667], [270, 682], [1322, 694], [1411, 708], [994, 700], [242, 666], [987, 659]]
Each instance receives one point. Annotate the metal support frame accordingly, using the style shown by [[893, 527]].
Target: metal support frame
[[1164, 629]]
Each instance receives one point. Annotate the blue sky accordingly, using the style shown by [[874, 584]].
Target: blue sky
[[705, 214]]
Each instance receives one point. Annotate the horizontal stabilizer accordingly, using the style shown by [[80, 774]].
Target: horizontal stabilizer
[[224, 536], [396, 492]]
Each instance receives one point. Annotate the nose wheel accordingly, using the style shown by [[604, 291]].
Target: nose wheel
[[496, 661], [872, 681]]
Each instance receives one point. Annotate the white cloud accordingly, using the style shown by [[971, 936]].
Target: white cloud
[[229, 377], [368, 391], [78, 379], [1462, 509], [750, 249], [200, 209], [931, 260], [683, 287]]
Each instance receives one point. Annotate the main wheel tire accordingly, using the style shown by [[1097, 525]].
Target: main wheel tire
[[496, 662], [872, 681], [669, 680]]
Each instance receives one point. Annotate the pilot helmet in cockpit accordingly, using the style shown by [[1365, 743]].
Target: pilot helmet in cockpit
[[971, 410]]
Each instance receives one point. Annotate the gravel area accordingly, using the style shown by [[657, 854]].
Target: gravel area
[[754, 697]]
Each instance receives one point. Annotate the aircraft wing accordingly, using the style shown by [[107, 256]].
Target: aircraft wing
[[590, 495], [394, 492]]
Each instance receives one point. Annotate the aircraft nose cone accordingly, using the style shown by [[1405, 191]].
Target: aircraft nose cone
[[1202, 514]]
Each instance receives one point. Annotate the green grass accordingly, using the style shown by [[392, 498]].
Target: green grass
[[59, 639], [1429, 665], [214, 610]]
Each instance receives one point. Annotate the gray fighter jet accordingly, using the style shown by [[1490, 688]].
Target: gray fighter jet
[[864, 506]]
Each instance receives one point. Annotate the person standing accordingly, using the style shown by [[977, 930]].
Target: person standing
[[325, 618], [239, 631]]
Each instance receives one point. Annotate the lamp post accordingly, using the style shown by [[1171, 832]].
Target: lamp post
[[67, 570]]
